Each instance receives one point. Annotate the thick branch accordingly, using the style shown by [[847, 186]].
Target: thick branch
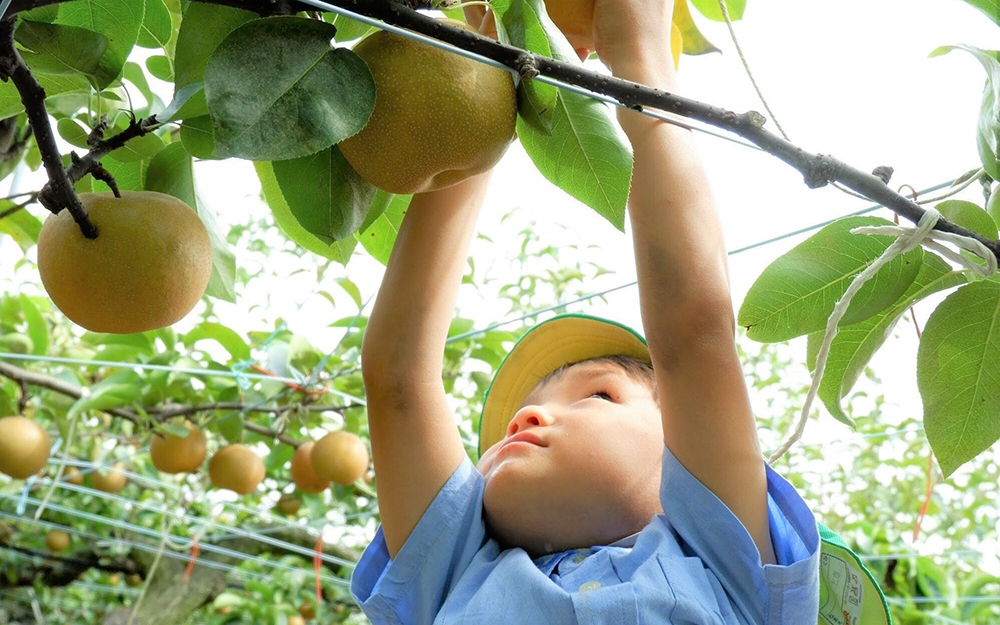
[[12, 66], [45, 381], [54, 570]]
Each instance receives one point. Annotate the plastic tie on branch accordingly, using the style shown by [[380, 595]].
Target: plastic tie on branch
[[240, 368], [22, 502], [908, 238]]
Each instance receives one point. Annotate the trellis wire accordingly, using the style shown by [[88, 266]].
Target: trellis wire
[[155, 534], [517, 77], [734, 252], [141, 478], [140, 546], [196, 519]]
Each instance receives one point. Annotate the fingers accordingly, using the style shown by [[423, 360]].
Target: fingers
[[474, 15]]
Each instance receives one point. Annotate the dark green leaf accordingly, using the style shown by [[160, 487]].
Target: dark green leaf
[[969, 216], [171, 172], [118, 20], [129, 176], [198, 137], [339, 251], [958, 369], [183, 95], [138, 149], [324, 193], [59, 49], [276, 90], [796, 293], [175, 429]]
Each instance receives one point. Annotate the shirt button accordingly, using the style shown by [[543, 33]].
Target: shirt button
[[579, 559], [590, 586]]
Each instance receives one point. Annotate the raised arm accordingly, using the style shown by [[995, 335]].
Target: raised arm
[[686, 306], [414, 438]]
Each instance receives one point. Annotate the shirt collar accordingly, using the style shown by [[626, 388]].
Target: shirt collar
[[549, 561]]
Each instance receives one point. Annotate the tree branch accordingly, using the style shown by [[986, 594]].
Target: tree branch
[[817, 169], [45, 381], [13, 67], [55, 570]]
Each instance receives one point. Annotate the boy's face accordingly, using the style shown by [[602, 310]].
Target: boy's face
[[589, 473]]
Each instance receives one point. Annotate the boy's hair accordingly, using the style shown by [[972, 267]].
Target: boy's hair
[[639, 370]]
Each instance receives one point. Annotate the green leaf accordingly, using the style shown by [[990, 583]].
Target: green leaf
[[59, 49], [526, 25], [38, 330], [694, 42], [171, 172], [204, 26], [10, 99], [969, 216], [379, 203], [324, 193], [224, 336], [711, 9], [21, 226], [276, 90], [73, 132], [183, 95], [339, 251], [280, 454], [348, 28], [198, 137], [156, 27], [990, 7], [175, 429], [855, 344], [352, 290], [958, 374], [105, 396], [160, 67], [796, 293], [118, 20], [230, 426], [129, 176], [587, 156], [988, 130], [380, 236], [139, 148], [135, 74]]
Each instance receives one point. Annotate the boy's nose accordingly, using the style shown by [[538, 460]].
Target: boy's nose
[[527, 417]]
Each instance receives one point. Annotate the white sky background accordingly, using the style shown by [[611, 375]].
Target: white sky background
[[852, 79]]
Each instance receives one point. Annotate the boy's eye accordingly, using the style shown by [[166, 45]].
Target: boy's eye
[[602, 394]]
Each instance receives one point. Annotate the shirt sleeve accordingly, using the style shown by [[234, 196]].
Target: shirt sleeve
[[775, 594], [412, 587]]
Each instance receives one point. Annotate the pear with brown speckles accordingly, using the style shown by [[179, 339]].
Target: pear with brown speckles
[[439, 118]]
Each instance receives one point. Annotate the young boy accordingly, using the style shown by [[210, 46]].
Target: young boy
[[618, 483]]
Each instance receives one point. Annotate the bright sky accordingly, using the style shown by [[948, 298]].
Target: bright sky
[[853, 80]]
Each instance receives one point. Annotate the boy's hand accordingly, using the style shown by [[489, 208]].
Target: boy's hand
[[627, 32], [485, 22]]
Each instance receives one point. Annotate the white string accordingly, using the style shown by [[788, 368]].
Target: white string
[[908, 238]]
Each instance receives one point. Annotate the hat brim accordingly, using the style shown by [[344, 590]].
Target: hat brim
[[562, 340]]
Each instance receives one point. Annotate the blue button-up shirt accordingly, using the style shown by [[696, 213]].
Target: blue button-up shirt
[[694, 564]]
